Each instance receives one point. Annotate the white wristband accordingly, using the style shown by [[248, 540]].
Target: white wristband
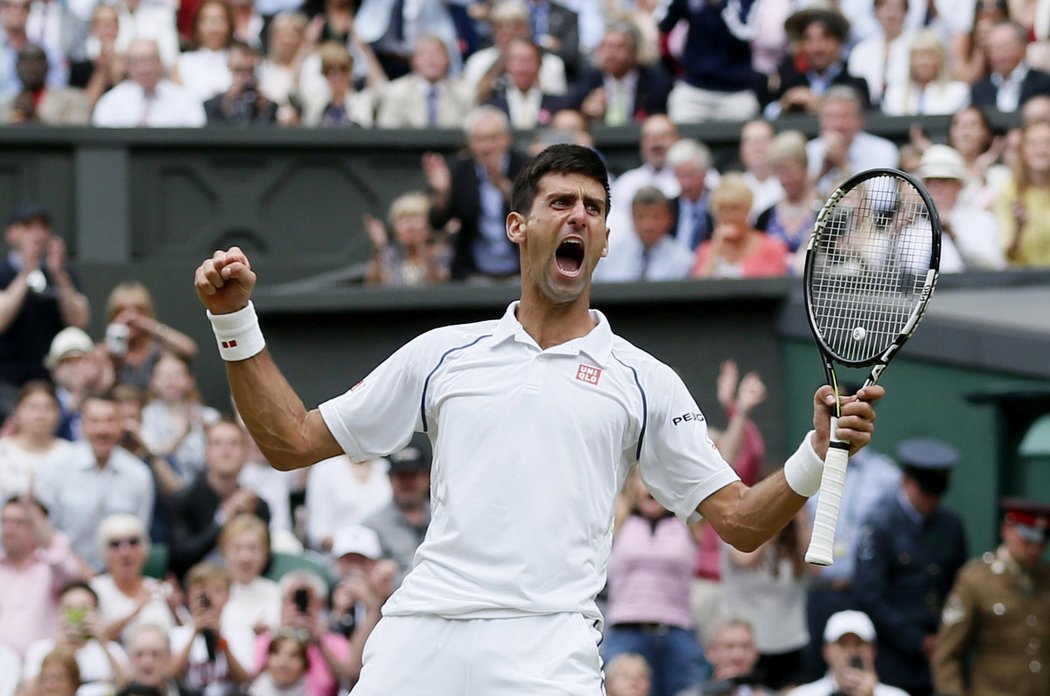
[[238, 334], [804, 469]]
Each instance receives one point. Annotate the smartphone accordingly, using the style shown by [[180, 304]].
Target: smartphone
[[856, 662], [301, 599]]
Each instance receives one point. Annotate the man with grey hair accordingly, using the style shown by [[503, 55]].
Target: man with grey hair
[[650, 252], [427, 97], [1011, 81], [690, 160], [147, 98], [475, 189]]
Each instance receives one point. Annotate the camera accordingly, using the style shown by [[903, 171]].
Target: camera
[[117, 339]]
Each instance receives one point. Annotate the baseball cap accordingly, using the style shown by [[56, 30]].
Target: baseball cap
[[415, 457], [846, 622], [1029, 518], [942, 162], [68, 343], [356, 539], [28, 212]]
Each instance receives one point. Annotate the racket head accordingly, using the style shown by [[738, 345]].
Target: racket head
[[871, 265]]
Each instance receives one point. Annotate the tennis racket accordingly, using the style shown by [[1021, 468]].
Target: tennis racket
[[871, 266]]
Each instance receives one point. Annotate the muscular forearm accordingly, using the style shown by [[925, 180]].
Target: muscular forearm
[[745, 517]]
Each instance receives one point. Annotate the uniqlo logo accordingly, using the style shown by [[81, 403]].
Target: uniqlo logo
[[588, 374], [229, 344]]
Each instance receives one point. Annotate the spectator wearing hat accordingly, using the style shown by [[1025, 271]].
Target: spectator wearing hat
[[820, 33], [401, 525], [1011, 81], [75, 373], [39, 296], [971, 234], [910, 549], [994, 638], [849, 650]]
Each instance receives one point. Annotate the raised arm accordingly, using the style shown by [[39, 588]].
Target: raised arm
[[288, 434]]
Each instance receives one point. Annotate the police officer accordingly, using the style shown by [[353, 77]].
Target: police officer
[[998, 614], [909, 552]]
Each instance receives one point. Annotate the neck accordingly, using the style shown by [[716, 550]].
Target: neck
[[551, 325], [128, 584], [1039, 179], [222, 485], [33, 442]]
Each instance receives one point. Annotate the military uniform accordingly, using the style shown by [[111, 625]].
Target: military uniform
[[999, 614]]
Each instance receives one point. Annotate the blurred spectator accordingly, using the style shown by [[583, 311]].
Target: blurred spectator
[[147, 98], [843, 148], [38, 102], [243, 104], [40, 295], [1011, 82], [10, 671], [519, 94], [970, 50], [910, 549], [993, 634], [731, 652], [970, 238], [137, 347], [650, 253], [820, 32], [849, 651], [174, 420], [510, 19], [102, 662], [736, 249], [98, 479], [77, 368], [415, 258], [628, 674], [284, 673], [690, 162], [658, 134], [566, 126], [971, 134], [756, 137], [716, 82], [33, 445], [279, 71], [1036, 109], [474, 189], [199, 511], [769, 45], [394, 30], [104, 65], [13, 38], [59, 675], [618, 89], [207, 658], [926, 89], [341, 104], [648, 614], [340, 493], [34, 563], [59, 31], [149, 658], [247, 23], [791, 219], [142, 19], [1023, 206], [427, 97], [203, 72], [882, 58], [127, 597], [556, 29], [255, 602]]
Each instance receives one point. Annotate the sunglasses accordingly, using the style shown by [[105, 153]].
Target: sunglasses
[[133, 542]]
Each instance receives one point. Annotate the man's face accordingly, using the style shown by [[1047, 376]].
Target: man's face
[[100, 422], [17, 536], [616, 54], [488, 141], [944, 192], [755, 139], [841, 116], [410, 487], [149, 654], [430, 60], [523, 64], [839, 653], [652, 221], [658, 135], [28, 238], [31, 67], [224, 451], [561, 237], [820, 47], [691, 178], [1005, 49], [732, 653], [125, 555], [13, 15], [1027, 553], [144, 66], [242, 67]]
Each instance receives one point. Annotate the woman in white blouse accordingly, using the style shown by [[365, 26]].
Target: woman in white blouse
[[928, 89], [33, 443], [204, 71], [882, 59]]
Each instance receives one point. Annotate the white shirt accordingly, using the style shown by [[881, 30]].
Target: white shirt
[[19, 466], [938, 98], [150, 20], [552, 70], [623, 191], [1008, 89], [274, 487], [524, 107], [867, 151], [204, 73], [258, 602], [114, 605], [531, 448], [765, 194], [976, 244], [336, 498], [666, 260], [91, 659], [127, 106], [870, 60], [10, 670], [827, 687]]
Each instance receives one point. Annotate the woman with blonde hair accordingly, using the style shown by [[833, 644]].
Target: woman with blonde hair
[[928, 89], [413, 259], [736, 249], [255, 602], [1023, 203], [791, 219]]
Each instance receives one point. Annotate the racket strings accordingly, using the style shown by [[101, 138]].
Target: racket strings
[[872, 257]]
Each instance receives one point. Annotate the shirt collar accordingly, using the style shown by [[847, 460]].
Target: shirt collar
[[1015, 77], [597, 343]]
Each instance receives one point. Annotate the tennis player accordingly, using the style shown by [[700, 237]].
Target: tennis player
[[535, 419]]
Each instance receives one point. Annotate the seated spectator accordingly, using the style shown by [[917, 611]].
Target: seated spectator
[[341, 492], [882, 58], [1011, 81], [284, 673], [279, 71], [969, 50], [1023, 206], [81, 632], [14, 37], [394, 33], [519, 94], [149, 663], [474, 189], [78, 368], [147, 98], [97, 480], [820, 33], [849, 650], [415, 258], [556, 29], [628, 675], [37, 102], [35, 562], [791, 219], [33, 444], [690, 162], [756, 136], [255, 602], [247, 23], [651, 253], [207, 658], [339, 104], [927, 89], [427, 97], [203, 72], [198, 511], [126, 597], [104, 66], [733, 657], [736, 249], [843, 148], [141, 19], [59, 676], [658, 134], [972, 136], [243, 104], [619, 89]]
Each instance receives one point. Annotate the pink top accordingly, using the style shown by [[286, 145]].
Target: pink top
[[319, 679], [29, 596], [770, 258], [650, 571]]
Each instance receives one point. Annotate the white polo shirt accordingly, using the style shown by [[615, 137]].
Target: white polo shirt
[[530, 449]]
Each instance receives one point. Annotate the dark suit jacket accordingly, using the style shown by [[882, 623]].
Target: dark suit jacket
[[788, 76], [464, 204], [650, 94], [983, 92], [709, 224], [549, 103], [564, 25]]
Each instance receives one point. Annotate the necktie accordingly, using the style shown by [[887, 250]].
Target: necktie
[[397, 20], [697, 234], [647, 257], [432, 106], [147, 105], [616, 108]]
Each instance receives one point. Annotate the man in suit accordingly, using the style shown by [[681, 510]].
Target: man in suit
[[690, 160], [556, 28], [426, 97], [1011, 82], [38, 103], [475, 190], [394, 33], [619, 90], [820, 32], [649, 252], [520, 96], [843, 148]]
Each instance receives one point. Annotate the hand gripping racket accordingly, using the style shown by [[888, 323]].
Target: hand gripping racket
[[871, 266]]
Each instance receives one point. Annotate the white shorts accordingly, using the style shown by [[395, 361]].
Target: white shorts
[[551, 655]]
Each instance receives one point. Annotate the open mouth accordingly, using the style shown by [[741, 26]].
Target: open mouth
[[569, 256]]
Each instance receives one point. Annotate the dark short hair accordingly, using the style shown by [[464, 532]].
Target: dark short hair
[[558, 159], [78, 585]]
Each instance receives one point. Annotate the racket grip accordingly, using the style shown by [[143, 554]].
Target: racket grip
[[821, 544]]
